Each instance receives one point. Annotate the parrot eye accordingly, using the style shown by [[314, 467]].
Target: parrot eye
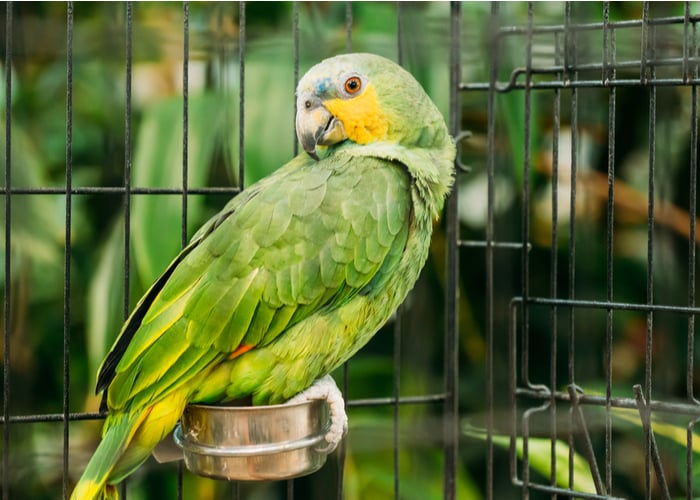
[[353, 85]]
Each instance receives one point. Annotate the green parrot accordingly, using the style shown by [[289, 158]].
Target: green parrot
[[294, 275]]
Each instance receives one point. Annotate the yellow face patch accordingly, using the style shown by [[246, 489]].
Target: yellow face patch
[[363, 119]]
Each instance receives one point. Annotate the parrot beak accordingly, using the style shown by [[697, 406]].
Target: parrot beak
[[316, 126]]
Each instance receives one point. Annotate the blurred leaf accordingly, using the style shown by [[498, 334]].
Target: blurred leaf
[[269, 109], [15, 88], [675, 433], [105, 311], [38, 229], [539, 453], [157, 219]]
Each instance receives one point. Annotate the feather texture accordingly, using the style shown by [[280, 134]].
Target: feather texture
[[288, 281]]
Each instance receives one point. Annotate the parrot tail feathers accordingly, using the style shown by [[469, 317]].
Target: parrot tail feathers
[[117, 436]]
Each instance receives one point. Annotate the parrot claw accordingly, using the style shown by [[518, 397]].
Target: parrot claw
[[325, 388]]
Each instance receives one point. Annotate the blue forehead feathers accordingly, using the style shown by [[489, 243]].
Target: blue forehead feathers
[[323, 85]]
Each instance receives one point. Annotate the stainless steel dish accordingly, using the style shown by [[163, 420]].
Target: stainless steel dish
[[254, 443]]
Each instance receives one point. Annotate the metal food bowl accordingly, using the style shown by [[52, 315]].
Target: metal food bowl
[[254, 443]]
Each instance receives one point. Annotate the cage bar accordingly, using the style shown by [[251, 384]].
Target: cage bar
[[557, 65]]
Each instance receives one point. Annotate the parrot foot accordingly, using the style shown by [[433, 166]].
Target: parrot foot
[[325, 388]]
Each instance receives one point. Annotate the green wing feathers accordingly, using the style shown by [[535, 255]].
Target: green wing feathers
[[300, 243], [294, 275], [279, 257]]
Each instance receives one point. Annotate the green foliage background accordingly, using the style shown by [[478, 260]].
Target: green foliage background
[[101, 292]]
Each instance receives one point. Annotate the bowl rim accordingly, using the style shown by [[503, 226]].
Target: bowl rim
[[247, 450], [254, 408]]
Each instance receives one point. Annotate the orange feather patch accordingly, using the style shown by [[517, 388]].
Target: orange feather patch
[[242, 349]]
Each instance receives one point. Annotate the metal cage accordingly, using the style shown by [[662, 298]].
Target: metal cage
[[600, 333], [578, 172]]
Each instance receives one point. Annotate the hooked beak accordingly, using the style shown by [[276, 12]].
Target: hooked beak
[[316, 126]]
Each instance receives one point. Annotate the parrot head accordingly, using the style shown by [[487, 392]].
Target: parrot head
[[364, 98]]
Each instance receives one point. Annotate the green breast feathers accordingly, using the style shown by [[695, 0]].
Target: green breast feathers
[[295, 274]]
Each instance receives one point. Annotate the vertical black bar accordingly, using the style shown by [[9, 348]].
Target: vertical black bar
[[693, 213], [609, 58], [451, 431], [236, 490], [570, 65], [645, 416], [185, 156], [689, 473], [127, 177], [127, 155], [397, 394], [525, 221], [554, 272], [348, 26], [397, 324], [295, 33], [399, 32], [512, 388], [8, 253], [692, 208], [524, 237], [490, 236], [290, 489], [241, 94], [645, 44], [185, 112], [686, 48], [525, 204], [648, 51], [342, 452], [67, 247]]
